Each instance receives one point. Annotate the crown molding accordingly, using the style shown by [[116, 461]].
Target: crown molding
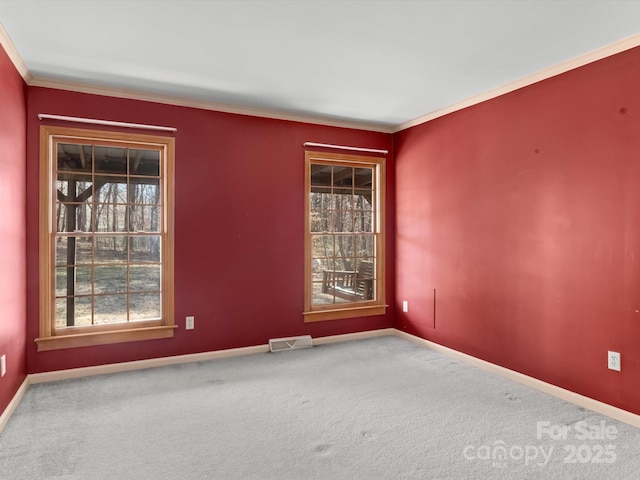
[[13, 54], [590, 57], [201, 104]]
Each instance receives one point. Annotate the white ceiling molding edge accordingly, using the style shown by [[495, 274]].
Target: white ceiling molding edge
[[13, 54], [590, 57], [201, 104], [21, 67]]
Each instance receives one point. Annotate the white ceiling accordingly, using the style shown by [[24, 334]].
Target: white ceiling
[[379, 63]]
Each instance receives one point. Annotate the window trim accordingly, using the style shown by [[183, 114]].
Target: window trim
[[377, 306], [49, 337]]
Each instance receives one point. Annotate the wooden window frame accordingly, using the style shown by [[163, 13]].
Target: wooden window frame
[[53, 338], [377, 306]]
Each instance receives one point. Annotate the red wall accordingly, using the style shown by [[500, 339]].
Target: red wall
[[13, 307], [239, 227], [523, 212]]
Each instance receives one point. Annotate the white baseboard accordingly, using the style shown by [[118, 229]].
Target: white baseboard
[[348, 337], [193, 357], [142, 364], [13, 404], [561, 393]]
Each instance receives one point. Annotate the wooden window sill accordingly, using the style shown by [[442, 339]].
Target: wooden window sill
[[341, 313], [103, 338]]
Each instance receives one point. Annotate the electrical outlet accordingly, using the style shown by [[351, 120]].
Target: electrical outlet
[[3, 365], [189, 324], [613, 361], [405, 306]]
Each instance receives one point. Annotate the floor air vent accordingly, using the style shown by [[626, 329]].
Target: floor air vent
[[290, 343]]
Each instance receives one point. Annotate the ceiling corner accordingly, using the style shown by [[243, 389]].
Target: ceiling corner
[[13, 54], [576, 62]]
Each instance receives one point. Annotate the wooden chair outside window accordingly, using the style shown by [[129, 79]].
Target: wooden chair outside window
[[349, 284]]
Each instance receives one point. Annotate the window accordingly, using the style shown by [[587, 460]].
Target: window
[[106, 237], [344, 237]]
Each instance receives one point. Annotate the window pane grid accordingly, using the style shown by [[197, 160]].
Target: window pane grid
[[342, 232], [111, 196], [90, 295], [135, 298]]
